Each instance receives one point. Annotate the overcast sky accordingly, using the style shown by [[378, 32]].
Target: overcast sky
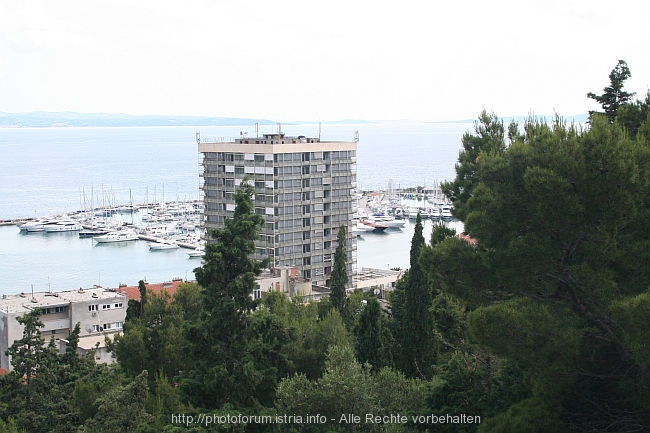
[[311, 60]]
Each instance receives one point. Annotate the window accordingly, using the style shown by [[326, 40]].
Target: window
[[61, 310]]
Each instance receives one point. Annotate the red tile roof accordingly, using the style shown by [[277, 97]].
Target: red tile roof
[[468, 239], [133, 292]]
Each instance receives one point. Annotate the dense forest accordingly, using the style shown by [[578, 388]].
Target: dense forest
[[541, 325]]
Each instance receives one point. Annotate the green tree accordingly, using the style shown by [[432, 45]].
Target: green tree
[[370, 334], [122, 409], [314, 331], [488, 138], [614, 96], [634, 114], [10, 426], [155, 340], [28, 354], [339, 278], [218, 337], [562, 219], [413, 326], [348, 387]]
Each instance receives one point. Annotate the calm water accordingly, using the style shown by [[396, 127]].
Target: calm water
[[52, 170]]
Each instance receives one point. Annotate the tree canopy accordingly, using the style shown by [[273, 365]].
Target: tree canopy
[[614, 96], [562, 221]]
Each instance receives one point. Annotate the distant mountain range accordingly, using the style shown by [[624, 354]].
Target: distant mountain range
[[49, 119], [44, 119]]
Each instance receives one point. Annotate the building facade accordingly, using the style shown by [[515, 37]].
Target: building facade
[[98, 312], [304, 188]]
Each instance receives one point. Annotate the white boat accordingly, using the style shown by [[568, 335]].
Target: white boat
[[411, 212], [160, 246], [38, 226], [34, 226], [445, 213], [196, 253], [388, 221], [63, 226], [434, 213], [117, 236], [127, 209]]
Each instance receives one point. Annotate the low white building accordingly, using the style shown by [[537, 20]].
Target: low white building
[[284, 279], [98, 311], [379, 280]]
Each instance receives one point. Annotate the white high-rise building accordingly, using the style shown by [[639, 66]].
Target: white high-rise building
[[304, 188]]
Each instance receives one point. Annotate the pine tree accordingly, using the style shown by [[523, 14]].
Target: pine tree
[[219, 336], [613, 95], [339, 279], [413, 324], [28, 354], [369, 333]]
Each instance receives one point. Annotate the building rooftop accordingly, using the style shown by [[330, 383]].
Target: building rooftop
[[26, 302], [89, 342], [169, 287]]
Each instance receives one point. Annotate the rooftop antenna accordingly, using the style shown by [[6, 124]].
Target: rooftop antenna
[[356, 136], [319, 130], [257, 132], [198, 137], [279, 128]]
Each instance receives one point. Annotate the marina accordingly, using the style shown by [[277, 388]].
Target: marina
[[158, 251], [58, 171]]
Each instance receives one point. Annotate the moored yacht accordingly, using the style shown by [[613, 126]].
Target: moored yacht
[[375, 227], [445, 213], [160, 246], [117, 236], [196, 253], [387, 220], [63, 226], [38, 225]]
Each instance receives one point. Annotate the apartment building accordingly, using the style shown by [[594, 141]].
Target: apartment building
[[304, 188], [97, 310]]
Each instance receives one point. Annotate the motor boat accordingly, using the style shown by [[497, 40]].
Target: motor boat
[[63, 226], [117, 236]]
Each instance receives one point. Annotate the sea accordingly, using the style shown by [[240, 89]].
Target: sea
[[53, 170]]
